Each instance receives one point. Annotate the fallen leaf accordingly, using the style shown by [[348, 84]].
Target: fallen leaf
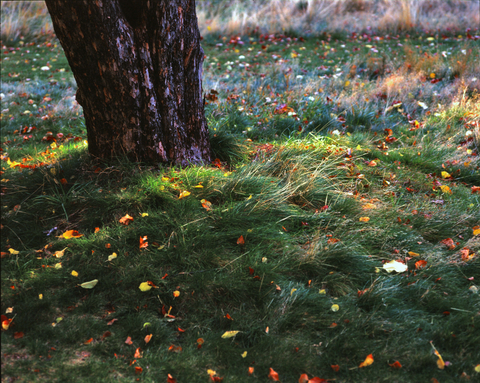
[[475, 189], [229, 334], [240, 241], [420, 264], [273, 375], [228, 316], [200, 341], [138, 353], [446, 189], [367, 362], [175, 349], [184, 194], [395, 364], [446, 175], [112, 256], [368, 206], [126, 220], [467, 254], [476, 230], [74, 273], [148, 337], [364, 219], [112, 321], [244, 354], [88, 341], [335, 308], [449, 243], [303, 378], [138, 370], [143, 242], [412, 254], [176, 294], [106, 334], [90, 284], [335, 367], [71, 234], [59, 253], [292, 291], [252, 369], [171, 379], [477, 368], [395, 266], [144, 286], [129, 341], [316, 379], [207, 205], [18, 335], [440, 362], [9, 310], [13, 252]]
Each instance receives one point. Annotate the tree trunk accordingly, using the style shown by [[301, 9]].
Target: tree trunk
[[138, 67]]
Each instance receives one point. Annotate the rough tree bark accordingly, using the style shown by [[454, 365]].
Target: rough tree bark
[[138, 67]]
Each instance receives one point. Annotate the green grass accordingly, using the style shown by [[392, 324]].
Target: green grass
[[302, 157]]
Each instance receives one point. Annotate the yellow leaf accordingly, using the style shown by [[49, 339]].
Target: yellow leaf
[[12, 251], [198, 186], [184, 194], [476, 230], [395, 266], [144, 214], [446, 175], [422, 104], [432, 75], [211, 372], [412, 254], [176, 293], [40, 296], [364, 219], [368, 206], [446, 189], [244, 355], [250, 197], [477, 368], [347, 83], [72, 234], [322, 292], [74, 273], [335, 308], [144, 286], [229, 334], [165, 179], [59, 253], [293, 290], [367, 362], [58, 265], [90, 284], [112, 256]]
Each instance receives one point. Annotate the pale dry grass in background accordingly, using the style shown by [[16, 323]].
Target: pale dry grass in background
[[29, 18]]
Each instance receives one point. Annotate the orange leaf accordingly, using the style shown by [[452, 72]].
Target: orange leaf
[[475, 189], [317, 380], [395, 364], [333, 240], [106, 334], [143, 242], [126, 220], [367, 362], [72, 234], [138, 353], [476, 230], [138, 370], [170, 379], [181, 330], [273, 375], [148, 337], [88, 341], [18, 335], [97, 229], [250, 370], [6, 322], [303, 378], [420, 264], [175, 349], [449, 243], [112, 321], [200, 341], [228, 316], [240, 241], [129, 340], [335, 367]]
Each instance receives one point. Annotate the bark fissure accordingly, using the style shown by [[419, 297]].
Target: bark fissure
[[138, 70]]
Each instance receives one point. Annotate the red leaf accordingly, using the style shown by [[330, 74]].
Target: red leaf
[[475, 189], [395, 364], [18, 335], [449, 243], [420, 264], [181, 330], [250, 370], [251, 271], [138, 370], [171, 379], [335, 367], [240, 241], [303, 378], [88, 341], [273, 375], [317, 380], [106, 334]]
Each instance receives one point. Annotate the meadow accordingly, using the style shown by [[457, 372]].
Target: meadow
[[334, 238]]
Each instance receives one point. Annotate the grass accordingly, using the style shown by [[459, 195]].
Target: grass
[[335, 154]]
